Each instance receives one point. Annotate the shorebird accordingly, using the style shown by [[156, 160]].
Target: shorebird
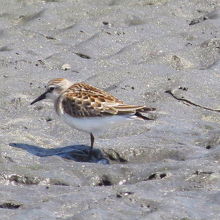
[[87, 108]]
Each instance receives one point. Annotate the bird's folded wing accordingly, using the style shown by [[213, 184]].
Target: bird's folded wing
[[83, 89], [83, 100], [126, 109]]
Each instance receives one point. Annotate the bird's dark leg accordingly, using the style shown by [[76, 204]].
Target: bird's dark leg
[[92, 140], [92, 143]]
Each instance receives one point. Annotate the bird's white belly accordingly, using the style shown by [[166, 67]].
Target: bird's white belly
[[93, 124]]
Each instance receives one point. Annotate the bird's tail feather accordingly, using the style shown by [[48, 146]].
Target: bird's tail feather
[[139, 115], [147, 109]]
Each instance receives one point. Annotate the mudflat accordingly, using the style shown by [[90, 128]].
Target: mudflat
[[159, 53]]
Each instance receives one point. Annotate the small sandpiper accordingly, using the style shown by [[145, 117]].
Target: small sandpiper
[[87, 108]]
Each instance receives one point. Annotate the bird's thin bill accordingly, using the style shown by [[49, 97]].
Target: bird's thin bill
[[43, 96]]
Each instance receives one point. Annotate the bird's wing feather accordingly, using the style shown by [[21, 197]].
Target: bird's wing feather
[[83, 87], [83, 100]]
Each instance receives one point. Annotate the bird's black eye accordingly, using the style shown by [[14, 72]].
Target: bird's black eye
[[51, 89]]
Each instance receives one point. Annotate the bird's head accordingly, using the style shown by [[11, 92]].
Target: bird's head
[[53, 89]]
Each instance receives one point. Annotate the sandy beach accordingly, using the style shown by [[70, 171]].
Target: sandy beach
[[159, 53]]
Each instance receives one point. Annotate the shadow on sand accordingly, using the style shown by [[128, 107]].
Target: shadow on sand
[[78, 153]]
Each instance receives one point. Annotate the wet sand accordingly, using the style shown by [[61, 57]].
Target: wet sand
[[160, 53]]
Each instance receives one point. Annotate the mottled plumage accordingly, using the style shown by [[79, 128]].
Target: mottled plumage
[[88, 108]]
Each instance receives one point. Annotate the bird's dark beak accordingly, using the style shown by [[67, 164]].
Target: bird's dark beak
[[41, 97]]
